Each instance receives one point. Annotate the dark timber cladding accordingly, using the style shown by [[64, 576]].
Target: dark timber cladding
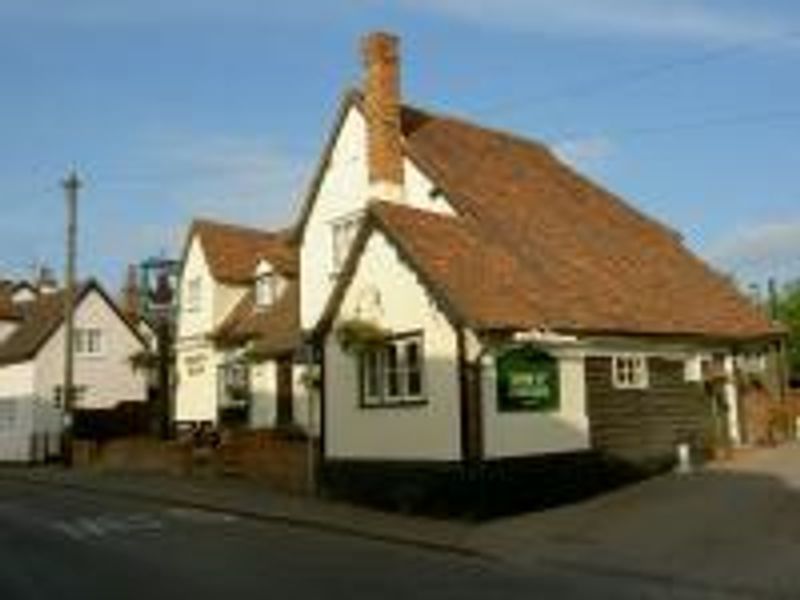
[[643, 426]]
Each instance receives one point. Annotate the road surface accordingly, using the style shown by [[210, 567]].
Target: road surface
[[63, 544]]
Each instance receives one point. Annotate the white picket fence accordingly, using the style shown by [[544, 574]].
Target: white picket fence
[[30, 429]]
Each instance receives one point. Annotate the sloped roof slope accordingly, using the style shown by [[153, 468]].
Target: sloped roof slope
[[565, 253], [234, 251], [273, 330]]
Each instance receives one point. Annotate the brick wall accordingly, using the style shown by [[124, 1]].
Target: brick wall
[[277, 458]]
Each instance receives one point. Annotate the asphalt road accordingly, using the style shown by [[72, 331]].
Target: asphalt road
[[62, 544]]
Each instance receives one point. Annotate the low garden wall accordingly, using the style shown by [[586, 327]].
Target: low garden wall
[[278, 458]]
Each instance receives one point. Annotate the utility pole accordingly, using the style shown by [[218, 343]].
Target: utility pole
[[71, 186], [772, 288]]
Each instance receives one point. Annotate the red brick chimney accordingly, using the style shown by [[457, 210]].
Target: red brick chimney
[[130, 293], [382, 108]]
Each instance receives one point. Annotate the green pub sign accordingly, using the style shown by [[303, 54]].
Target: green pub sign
[[527, 379]]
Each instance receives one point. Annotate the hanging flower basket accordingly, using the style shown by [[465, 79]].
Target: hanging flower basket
[[311, 378], [357, 336], [143, 361]]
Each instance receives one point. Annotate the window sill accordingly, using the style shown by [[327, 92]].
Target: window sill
[[416, 403], [549, 410]]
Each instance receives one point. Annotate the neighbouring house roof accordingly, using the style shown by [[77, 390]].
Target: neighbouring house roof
[[233, 251], [536, 244], [41, 318], [8, 311], [273, 330]]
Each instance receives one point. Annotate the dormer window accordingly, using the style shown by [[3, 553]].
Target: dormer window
[[267, 289]]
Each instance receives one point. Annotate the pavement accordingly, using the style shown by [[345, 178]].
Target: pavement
[[732, 528]]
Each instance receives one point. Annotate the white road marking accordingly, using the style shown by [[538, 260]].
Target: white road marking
[[69, 530], [83, 528]]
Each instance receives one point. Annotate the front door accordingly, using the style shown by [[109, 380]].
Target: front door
[[285, 403]]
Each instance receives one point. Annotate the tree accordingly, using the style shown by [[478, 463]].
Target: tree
[[788, 306]]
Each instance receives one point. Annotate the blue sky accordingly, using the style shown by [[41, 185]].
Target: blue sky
[[173, 109]]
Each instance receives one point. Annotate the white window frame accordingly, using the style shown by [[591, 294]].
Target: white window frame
[[754, 361], [377, 379], [267, 289], [194, 294], [343, 233], [630, 371], [80, 392], [89, 342]]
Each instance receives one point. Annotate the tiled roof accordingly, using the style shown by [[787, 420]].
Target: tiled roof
[[538, 245], [273, 330], [8, 311], [41, 318], [233, 251]]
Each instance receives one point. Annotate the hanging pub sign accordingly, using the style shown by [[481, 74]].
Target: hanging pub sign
[[527, 379]]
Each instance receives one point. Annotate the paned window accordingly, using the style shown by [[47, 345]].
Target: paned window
[[88, 342], [630, 371], [393, 373]]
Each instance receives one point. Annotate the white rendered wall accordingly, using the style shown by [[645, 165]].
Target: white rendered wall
[[429, 432], [196, 322], [525, 433], [344, 190], [264, 384], [109, 377], [197, 394], [17, 380], [6, 329], [16, 429], [30, 426], [306, 406]]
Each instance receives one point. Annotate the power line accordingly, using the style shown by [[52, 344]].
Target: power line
[[775, 116], [625, 78]]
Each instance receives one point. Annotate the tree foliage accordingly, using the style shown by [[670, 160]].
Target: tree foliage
[[789, 315]]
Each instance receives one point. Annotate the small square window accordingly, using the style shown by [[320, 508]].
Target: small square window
[[629, 371], [88, 342]]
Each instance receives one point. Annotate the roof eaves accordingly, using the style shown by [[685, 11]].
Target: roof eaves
[[373, 222]]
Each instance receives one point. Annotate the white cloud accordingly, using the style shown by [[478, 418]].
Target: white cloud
[[584, 152], [683, 19], [769, 249]]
